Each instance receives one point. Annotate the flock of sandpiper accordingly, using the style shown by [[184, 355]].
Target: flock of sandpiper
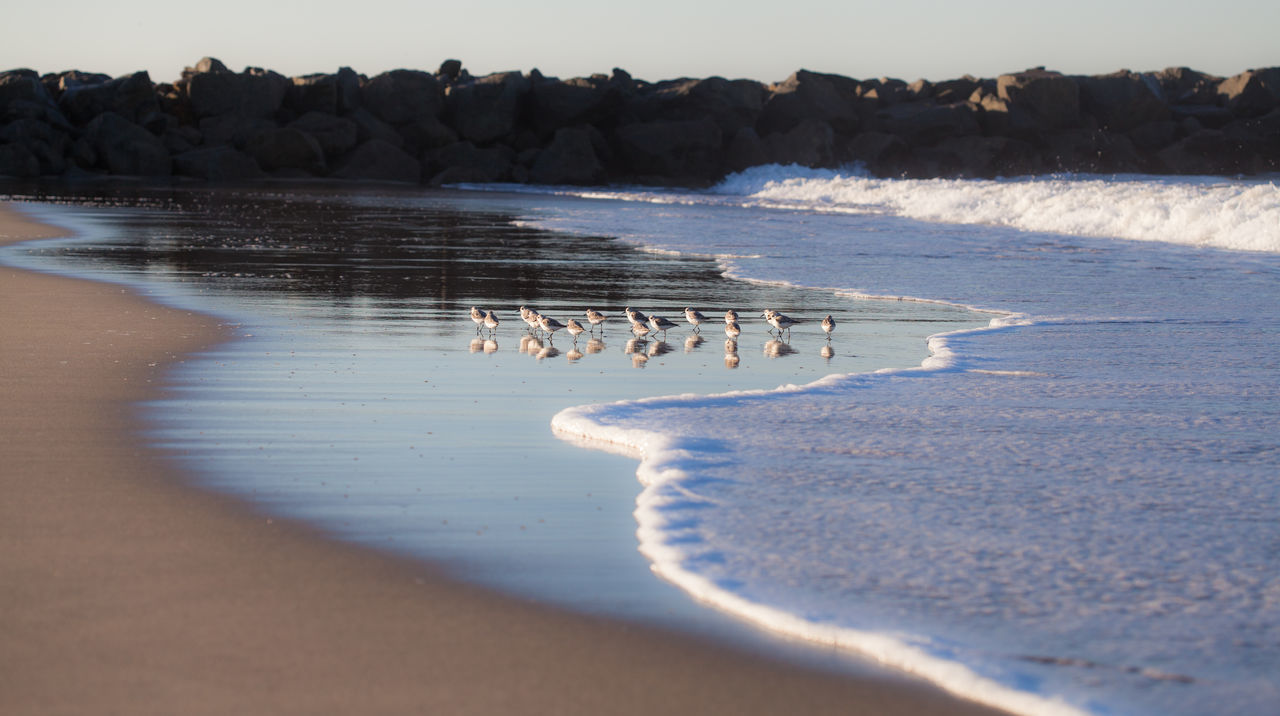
[[641, 326]]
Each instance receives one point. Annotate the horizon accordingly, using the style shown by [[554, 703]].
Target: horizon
[[916, 39]]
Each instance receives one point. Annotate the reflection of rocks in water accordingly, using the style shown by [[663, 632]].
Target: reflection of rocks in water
[[827, 352], [635, 346], [692, 342], [595, 345], [658, 348], [574, 355], [548, 352], [490, 346], [477, 345], [777, 349], [639, 359]]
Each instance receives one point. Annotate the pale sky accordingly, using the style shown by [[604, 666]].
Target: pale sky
[[651, 39]]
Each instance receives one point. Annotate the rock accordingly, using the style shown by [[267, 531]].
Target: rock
[[18, 162], [1123, 101], [22, 85], [884, 92], [47, 144], [952, 91], [987, 157], [379, 160], [124, 148], [402, 96], [286, 148], [1182, 85], [449, 70], [679, 151], [809, 95], [746, 150], [1208, 151], [1210, 116], [1049, 98], [312, 93], [486, 109], [370, 127], [810, 143], [180, 139], [252, 93], [1093, 151], [233, 129], [1154, 135], [1251, 94], [132, 97], [425, 135], [884, 155], [72, 79], [335, 135], [569, 159], [555, 104], [924, 123], [492, 163], [732, 105], [219, 164]]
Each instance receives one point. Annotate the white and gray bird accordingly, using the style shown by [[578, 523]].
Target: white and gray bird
[[828, 325], [596, 318], [732, 329], [491, 321], [549, 324], [478, 316], [694, 318], [660, 324], [730, 316], [779, 321], [574, 328]]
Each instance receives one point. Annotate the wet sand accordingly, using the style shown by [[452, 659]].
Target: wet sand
[[123, 588]]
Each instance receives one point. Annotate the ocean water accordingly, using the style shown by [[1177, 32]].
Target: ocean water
[[1066, 504]]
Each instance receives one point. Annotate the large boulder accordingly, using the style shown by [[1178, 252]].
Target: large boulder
[[370, 127], [563, 103], [335, 135], [425, 134], [313, 93], [19, 162], [132, 97], [402, 96], [569, 159], [46, 143], [218, 164], [233, 129], [23, 85], [986, 157], [731, 104], [810, 95], [379, 160], [746, 150], [883, 154], [1209, 151], [1251, 94], [487, 109], [1091, 151], [1183, 85], [124, 148], [464, 161], [1124, 100], [688, 151], [812, 143], [286, 148], [924, 123], [1049, 98], [252, 93]]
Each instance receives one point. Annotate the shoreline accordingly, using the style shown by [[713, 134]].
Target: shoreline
[[126, 588]]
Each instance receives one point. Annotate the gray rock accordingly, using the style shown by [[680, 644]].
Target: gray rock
[[132, 97], [370, 127], [1123, 101], [217, 164], [569, 159], [810, 95], [952, 91], [1093, 151], [286, 148], [1051, 99], [555, 104], [47, 144], [682, 151], [746, 150], [402, 96], [486, 109], [378, 160], [18, 162], [810, 143], [124, 148], [924, 123], [1183, 85], [1154, 135], [425, 135], [987, 157], [313, 93], [233, 129], [1207, 115], [335, 135], [491, 163], [252, 93], [24, 85], [449, 70], [1251, 94], [884, 155], [731, 104]]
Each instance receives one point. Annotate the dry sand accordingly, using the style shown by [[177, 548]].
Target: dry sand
[[124, 589]]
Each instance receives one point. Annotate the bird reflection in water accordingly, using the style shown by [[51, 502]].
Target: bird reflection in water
[[658, 348], [635, 346], [827, 352], [476, 345], [548, 351], [530, 345], [574, 355], [692, 342], [731, 358], [595, 345], [777, 349]]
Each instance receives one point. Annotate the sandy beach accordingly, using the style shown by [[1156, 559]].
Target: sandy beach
[[125, 589]]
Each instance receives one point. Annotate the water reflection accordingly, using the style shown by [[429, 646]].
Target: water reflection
[[658, 348], [574, 355], [692, 342], [595, 345], [827, 352], [731, 359], [778, 349]]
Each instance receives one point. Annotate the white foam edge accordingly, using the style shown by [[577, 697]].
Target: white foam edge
[[659, 458]]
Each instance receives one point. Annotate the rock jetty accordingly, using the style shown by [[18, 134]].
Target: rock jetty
[[413, 126]]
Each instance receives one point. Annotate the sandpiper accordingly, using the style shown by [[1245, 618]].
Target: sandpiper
[[779, 321], [596, 318], [730, 316], [633, 316], [491, 321], [658, 323], [828, 325], [575, 328], [695, 318], [549, 324], [529, 316], [732, 330], [478, 316], [640, 330]]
